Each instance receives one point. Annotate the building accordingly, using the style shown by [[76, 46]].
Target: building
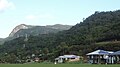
[[99, 57], [68, 58]]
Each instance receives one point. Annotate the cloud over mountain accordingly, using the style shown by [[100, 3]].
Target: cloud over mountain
[[5, 4]]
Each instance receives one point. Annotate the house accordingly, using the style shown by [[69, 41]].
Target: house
[[99, 56], [68, 58]]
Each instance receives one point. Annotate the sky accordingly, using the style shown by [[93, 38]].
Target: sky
[[49, 12]]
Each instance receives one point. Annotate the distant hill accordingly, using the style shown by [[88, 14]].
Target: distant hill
[[1, 41], [22, 29], [101, 30], [59, 27]]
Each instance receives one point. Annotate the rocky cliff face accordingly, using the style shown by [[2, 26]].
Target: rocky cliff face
[[22, 29], [17, 28]]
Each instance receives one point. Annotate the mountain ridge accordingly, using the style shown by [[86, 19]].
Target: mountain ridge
[[17, 28], [23, 29]]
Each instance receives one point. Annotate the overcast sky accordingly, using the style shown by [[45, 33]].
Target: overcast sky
[[49, 12]]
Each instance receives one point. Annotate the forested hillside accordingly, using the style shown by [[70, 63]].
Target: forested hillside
[[89, 35], [1, 41]]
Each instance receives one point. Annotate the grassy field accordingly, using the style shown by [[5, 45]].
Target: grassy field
[[57, 65]]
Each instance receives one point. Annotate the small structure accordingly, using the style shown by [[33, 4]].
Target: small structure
[[69, 58], [115, 57], [99, 56], [37, 59]]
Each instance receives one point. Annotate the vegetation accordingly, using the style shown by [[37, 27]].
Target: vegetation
[[87, 36], [36, 30], [1, 41]]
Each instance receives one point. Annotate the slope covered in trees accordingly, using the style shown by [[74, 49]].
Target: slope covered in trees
[[80, 39]]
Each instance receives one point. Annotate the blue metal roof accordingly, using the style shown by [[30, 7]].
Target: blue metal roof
[[116, 53], [99, 52]]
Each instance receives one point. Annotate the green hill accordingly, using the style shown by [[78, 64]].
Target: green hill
[[1, 41], [91, 34]]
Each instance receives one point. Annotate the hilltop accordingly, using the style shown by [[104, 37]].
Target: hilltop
[[91, 34], [23, 29]]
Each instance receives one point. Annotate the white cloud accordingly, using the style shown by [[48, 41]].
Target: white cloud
[[31, 17], [5, 4]]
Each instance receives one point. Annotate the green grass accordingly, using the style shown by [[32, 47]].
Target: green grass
[[57, 65]]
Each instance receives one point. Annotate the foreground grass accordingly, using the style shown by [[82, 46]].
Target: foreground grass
[[57, 65]]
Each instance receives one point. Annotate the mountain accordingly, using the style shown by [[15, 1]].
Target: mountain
[[22, 29], [1, 41], [59, 26], [101, 30], [17, 28]]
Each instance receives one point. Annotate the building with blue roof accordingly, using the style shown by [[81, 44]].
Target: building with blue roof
[[99, 57]]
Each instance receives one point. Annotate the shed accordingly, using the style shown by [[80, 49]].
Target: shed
[[99, 56]]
